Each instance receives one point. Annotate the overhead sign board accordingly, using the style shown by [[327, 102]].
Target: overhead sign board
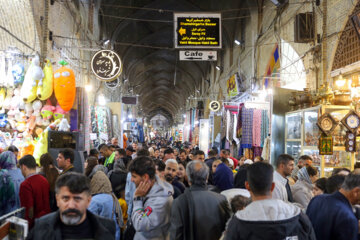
[[197, 30], [106, 65], [192, 55]]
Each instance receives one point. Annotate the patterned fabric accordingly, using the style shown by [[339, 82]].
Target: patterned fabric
[[7, 160], [264, 126], [239, 122], [257, 151], [256, 131], [247, 125]]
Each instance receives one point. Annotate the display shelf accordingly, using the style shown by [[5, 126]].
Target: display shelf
[[302, 134]]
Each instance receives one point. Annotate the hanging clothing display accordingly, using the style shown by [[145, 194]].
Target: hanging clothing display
[[247, 128], [229, 126], [234, 131], [256, 131], [223, 125], [264, 126]]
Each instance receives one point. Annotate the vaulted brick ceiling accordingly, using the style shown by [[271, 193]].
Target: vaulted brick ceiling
[[151, 71]]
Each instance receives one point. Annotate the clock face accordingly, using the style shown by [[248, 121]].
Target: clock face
[[352, 121], [326, 124], [351, 136]]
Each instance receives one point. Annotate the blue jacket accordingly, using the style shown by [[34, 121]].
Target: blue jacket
[[332, 217], [129, 194], [102, 205]]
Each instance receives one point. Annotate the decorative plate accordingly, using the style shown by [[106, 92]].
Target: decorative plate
[[327, 123], [351, 121]]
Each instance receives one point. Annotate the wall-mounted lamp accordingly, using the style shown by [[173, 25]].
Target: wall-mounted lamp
[[218, 68], [237, 42]]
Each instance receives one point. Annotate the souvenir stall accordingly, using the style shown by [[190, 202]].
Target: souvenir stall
[[322, 132], [37, 104]]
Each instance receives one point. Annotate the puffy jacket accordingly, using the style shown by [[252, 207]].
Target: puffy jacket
[[151, 217], [270, 219], [48, 227], [211, 212]]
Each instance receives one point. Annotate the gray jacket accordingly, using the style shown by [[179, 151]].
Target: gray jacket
[[302, 193], [151, 217]]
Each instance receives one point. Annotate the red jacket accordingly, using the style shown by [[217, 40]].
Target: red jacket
[[34, 193]]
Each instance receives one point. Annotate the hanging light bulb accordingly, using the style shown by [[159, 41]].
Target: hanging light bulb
[[102, 100], [88, 87], [340, 82]]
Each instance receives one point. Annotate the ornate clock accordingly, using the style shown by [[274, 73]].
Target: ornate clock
[[327, 123], [351, 121]]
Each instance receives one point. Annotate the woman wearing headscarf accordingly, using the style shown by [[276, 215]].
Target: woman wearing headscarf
[[104, 203], [223, 178], [11, 175], [302, 189]]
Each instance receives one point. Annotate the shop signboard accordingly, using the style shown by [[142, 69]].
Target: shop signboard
[[129, 100], [231, 86], [195, 55], [214, 106], [106, 65], [197, 30]]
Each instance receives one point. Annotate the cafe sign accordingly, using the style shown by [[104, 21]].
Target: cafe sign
[[197, 30], [106, 65]]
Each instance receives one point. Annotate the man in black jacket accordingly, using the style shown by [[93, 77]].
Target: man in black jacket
[[72, 220], [198, 213], [267, 218]]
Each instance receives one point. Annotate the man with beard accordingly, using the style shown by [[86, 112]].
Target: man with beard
[[302, 162], [170, 176], [73, 220]]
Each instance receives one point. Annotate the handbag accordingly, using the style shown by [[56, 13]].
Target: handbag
[[130, 231]]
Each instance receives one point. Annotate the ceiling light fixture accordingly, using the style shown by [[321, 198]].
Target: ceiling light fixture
[[107, 42], [237, 42], [218, 68]]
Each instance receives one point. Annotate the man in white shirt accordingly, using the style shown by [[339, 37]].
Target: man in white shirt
[[284, 166]]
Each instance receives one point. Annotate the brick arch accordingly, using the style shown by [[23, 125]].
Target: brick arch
[[348, 46], [17, 17]]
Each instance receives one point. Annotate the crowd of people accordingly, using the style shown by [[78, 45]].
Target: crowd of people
[[167, 190]]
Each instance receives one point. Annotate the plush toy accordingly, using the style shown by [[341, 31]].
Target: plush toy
[[7, 101], [9, 81], [11, 120], [18, 73], [46, 85], [3, 120], [20, 121], [41, 146], [28, 109], [32, 76], [59, 112], [2, 96], [30, 124], [64, 87], [37, 105], [47, 113], [64, 125], [15, 101]]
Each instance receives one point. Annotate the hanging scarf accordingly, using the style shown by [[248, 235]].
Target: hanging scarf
[[247, 117], [256, 129], [264, 126]]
